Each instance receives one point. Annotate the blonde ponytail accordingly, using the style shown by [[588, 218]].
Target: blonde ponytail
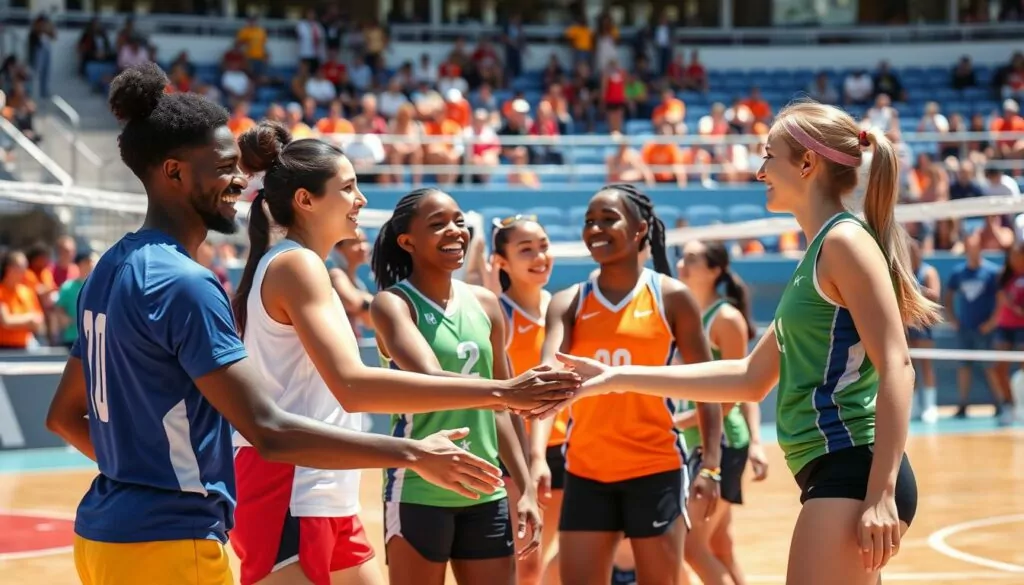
[[879, 202]]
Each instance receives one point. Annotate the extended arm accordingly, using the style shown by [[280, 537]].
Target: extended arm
[[558, 324]]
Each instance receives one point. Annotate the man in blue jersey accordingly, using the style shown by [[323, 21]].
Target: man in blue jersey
[[158, 367]]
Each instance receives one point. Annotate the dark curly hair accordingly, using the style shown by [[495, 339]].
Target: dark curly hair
[[156, 123]]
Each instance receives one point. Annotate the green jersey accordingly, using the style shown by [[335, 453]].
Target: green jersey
[[735, 433], [460, 336], [827, 384]]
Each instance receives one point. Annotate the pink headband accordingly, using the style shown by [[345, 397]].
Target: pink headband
[[813, 145]]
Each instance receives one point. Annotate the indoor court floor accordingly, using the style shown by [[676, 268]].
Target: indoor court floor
[[969, 526]]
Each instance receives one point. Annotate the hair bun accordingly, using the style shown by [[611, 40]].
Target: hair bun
[[137, 91], [261, 146]]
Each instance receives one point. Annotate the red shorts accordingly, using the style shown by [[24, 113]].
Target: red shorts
[[266, 537]]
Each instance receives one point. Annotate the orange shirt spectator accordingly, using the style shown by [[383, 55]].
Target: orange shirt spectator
[[1010, 121], [759, 108], [445, 127], [335, 126], [239, 124], [459, 112], [671, 110], [41, 281], [20, 311], [662, 155]]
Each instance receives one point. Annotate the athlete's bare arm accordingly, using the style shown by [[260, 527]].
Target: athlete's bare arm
[[234, 390], [558, 325], [684, 316], [746, 380], [68, 411], [854, 273], [297, 290]]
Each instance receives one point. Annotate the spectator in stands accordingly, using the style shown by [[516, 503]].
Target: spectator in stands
[[662, 40], [560, 106], [334, 28], [585, 92], [235, 82], [1007, 323], [94, 46], [126, 34], [513, 39], [520, 174], [66, 308], [613, 94], [581, 39], [484, 99], [405, 77], [406, 147], [369, 117], [696, 78], [858, 88], [758, 106], [446, 152], [671, 110], [484, 144], [626, 165], [363, 147], [995, 236], [425, 71], [297, 87], [294, 121], [42, 34], [179, 79], [206, 256], [21, 315], [375, 42], [451, 78], [545, 125], [888, 83], [1010, 121], [457, 108], [666, 155], [999, 183], [334, 70], [252, 38], [822, 90], [969, 301], [392, 99], [312, 47], [553, 71], [965, 185], [1011, 79], [320, 89], [275, 113], [240, 121], [882, 115], [360, 75], [334, 123], [676, 74], [932, 121], [637, 105], [606, 42], [20, 111], [64, 266], [978, 125], [133, 52], [963, 74]]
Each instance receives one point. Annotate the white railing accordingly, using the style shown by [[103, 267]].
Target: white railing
[[55, 172]]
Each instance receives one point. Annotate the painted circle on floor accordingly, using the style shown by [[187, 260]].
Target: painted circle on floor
[[24, 535]]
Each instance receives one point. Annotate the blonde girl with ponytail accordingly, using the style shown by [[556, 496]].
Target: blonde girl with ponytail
[[836, 349]]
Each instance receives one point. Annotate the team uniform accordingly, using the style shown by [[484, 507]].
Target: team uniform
[[827, 391], [151, 321], [525, 342], [438, 523], [735, 435], [286, 513], [625, 460], [920, 333]]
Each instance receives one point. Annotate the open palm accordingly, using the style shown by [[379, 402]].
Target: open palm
[[596, 376]]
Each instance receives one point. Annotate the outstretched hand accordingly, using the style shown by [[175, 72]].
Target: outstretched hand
[[444, 464], [540, 391], [597, 377]]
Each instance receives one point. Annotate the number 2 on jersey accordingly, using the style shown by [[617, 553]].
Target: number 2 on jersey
[[94, 333], [620, 357], [469, 351]]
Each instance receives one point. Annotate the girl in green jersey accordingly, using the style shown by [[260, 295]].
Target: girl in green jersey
[[428, 322], [836, 348], [704, 268]]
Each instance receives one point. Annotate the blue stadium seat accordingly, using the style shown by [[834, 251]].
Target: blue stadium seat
[[669, 214], [698, 215], [744, 212], [562, 233], [492, 213], [576, 215], [548, 215]]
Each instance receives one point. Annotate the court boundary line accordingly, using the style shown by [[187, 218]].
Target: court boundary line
[[43, 552], [937, 542]]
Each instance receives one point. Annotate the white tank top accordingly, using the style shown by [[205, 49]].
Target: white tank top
[[297, 387]]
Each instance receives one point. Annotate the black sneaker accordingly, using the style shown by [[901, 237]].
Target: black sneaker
[[961, 412]]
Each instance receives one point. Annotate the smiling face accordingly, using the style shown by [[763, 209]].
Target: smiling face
[[215, 184], [610, 231], [781, 174], [693, 267], [525, 254], [336, 210], [437, 235]]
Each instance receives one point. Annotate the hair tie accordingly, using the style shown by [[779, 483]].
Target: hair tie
[[863, 139]]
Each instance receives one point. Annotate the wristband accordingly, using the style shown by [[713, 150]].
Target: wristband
[[712, 474]]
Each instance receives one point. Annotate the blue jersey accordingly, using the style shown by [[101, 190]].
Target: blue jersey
[[151, 320]]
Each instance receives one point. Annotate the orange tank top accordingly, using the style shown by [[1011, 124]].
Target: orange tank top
[[525, 335], [616, 437]]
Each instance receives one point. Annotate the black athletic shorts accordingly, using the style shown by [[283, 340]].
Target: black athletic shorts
[[640, 508], [844, 474], [734, 462], [556, 463], [483, 531]]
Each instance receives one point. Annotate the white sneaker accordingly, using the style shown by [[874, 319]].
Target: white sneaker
[[930, 415], [1006, 417]]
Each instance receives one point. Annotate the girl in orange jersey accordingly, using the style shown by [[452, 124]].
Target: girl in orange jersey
[[625, 460], [521, 260]]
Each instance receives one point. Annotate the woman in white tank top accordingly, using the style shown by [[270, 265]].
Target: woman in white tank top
[[297, 525]]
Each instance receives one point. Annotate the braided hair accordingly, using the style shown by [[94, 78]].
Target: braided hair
[[390, 263], [642, 208]]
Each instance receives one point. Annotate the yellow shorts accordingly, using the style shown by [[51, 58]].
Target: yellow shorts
[[172, 562]]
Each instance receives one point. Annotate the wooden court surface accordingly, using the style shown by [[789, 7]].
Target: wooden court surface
[[969, 526]]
